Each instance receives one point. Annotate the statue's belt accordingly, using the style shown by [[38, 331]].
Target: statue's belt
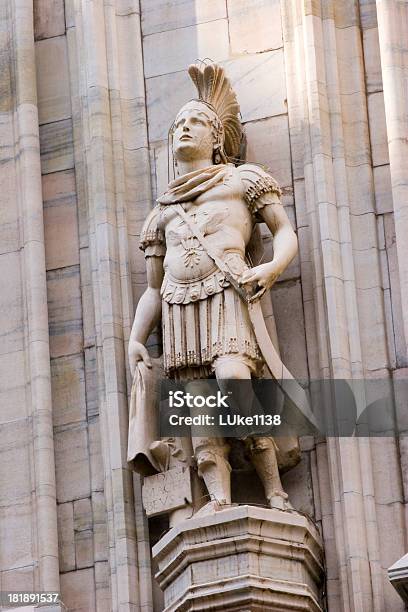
[[291, 388]]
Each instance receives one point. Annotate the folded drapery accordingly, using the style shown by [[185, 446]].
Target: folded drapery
[[144, 417]]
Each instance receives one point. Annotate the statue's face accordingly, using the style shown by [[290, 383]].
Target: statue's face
[[193, 134]]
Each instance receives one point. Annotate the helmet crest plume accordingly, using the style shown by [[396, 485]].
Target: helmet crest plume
[[214, 89]]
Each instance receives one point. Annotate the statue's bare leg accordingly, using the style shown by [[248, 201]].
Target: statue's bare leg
[[213, 466], [262, 449], [212, 453], [263, 457], [229, 369]]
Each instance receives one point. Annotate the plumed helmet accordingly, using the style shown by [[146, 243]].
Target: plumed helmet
[[214, 89]]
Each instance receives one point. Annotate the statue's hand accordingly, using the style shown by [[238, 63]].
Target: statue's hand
[[138, 352], [262, 276]]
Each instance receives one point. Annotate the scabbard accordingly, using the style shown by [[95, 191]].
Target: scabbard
[[292, 390]]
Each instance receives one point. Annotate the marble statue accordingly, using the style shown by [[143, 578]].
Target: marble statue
[[197, 243]]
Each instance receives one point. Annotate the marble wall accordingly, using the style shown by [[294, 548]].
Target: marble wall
[[28, 519], [88, 93], [81, 508]]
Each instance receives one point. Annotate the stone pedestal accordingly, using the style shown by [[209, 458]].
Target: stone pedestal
[[242, 558]]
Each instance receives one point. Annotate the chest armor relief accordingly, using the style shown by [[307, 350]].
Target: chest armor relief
[[222, 216]]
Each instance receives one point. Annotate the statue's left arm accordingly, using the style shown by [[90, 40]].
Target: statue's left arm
[[285, 246], [263, 197]]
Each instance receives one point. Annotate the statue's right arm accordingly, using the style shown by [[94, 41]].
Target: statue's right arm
[[148, 314]]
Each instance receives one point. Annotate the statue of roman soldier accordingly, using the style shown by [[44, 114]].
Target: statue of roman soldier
[[200, 282]]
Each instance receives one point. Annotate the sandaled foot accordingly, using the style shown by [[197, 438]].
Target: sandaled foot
[[279, 500]]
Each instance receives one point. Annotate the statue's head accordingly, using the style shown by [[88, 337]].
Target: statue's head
[[208, 127], [198, 133]]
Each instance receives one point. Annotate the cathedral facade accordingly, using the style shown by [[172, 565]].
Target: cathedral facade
[[88, 92]]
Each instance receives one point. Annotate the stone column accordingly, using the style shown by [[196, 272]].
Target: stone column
[[241, 559], [330, 120], [392, 19], [20, 83], [113, 183]]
